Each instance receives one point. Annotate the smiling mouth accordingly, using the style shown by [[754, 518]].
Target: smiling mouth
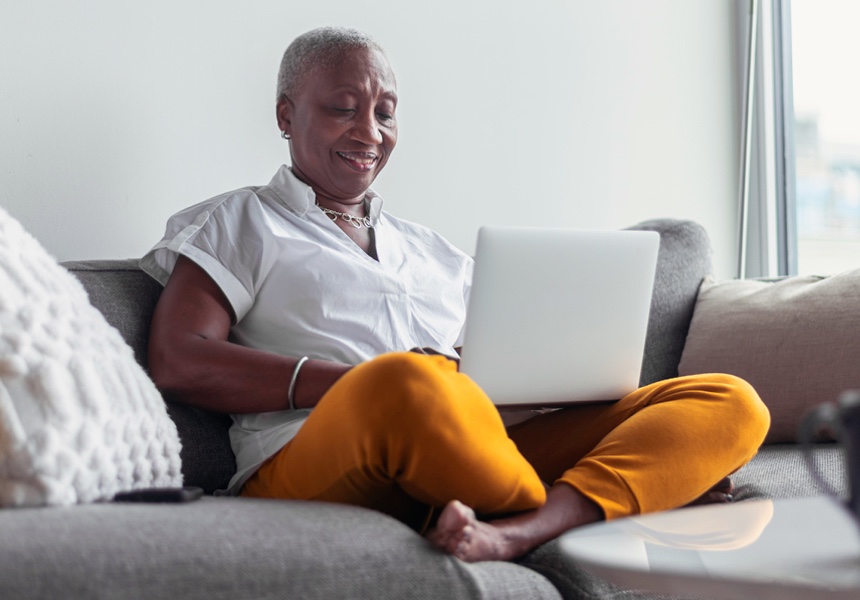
[[360, 161]]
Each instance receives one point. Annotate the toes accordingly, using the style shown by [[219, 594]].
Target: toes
[[724, 485], [454, 529], [712, 497], [720, 493]]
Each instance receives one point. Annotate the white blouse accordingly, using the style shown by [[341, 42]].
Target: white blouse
[[300, 287]]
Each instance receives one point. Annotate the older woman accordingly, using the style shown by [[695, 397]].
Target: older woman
[[293, 307]]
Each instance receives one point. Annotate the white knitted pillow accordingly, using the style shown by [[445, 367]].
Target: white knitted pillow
[[79, 418]]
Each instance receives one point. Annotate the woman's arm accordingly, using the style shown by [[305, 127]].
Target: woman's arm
[[191, 359]]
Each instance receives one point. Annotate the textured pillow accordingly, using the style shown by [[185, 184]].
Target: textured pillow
[[797, 341], [79, 418]]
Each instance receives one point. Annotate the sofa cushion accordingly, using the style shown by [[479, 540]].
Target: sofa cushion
[[782, 471], [794, 340], [226, 548], [127, 296], [79, 419]]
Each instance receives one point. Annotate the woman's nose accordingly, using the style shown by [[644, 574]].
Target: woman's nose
[[367, 129]]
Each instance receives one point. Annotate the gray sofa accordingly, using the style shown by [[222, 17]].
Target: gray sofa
[[220, 547]]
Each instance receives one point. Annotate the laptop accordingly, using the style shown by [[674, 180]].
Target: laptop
[[558, 316]]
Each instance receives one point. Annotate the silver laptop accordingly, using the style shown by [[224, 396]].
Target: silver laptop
[[558, 316]]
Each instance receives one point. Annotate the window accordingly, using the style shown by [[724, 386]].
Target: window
[[817, 93]]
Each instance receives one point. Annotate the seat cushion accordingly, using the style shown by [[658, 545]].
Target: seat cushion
[[782, 471], [227, 548]]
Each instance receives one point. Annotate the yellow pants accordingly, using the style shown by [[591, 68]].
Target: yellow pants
[[406, 431]]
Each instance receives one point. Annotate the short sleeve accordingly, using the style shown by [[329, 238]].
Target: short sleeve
[[222, 236]]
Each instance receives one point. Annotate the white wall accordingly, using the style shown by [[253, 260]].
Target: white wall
[[113, 115]]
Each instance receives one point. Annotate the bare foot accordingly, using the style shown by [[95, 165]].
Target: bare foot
[[459, 532], [719, 494]]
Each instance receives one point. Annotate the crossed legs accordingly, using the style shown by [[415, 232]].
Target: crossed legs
[[406, 432], [664, 446], [401, 434]]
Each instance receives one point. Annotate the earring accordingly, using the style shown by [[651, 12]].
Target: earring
[[285, 135]]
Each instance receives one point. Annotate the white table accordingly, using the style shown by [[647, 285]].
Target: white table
[[800, 549]]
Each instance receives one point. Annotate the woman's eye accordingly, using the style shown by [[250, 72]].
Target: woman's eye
[[384, 116]]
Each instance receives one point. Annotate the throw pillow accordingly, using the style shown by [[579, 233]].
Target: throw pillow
[[79, 418], [795, 340]]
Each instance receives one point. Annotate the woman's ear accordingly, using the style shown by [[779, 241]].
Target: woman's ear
[[284, 114]]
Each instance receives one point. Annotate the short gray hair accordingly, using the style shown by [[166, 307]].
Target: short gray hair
[[315, 50]]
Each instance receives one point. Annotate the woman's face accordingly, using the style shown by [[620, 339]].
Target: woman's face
[[343, 126]]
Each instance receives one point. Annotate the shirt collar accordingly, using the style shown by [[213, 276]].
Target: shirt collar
[[300, 197]]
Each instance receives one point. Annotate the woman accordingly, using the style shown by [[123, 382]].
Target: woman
[[304, 294]]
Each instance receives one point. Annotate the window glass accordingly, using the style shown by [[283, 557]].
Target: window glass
[[825, 48]]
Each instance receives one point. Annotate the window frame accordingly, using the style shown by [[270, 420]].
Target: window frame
[[770, 229], [786, 176]]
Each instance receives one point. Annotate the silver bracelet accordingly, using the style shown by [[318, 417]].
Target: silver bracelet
[[292, 387]]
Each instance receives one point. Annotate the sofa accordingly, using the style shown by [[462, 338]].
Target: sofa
[[227, 547]]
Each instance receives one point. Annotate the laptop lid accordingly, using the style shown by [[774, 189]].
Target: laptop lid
[[558, 316]]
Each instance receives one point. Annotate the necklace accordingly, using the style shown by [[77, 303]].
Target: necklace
[[356, 222]]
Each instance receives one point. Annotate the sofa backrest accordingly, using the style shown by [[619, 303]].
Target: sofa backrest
[[127, 297], [684, 260]]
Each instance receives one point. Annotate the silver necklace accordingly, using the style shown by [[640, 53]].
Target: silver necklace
[[356, 222]]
